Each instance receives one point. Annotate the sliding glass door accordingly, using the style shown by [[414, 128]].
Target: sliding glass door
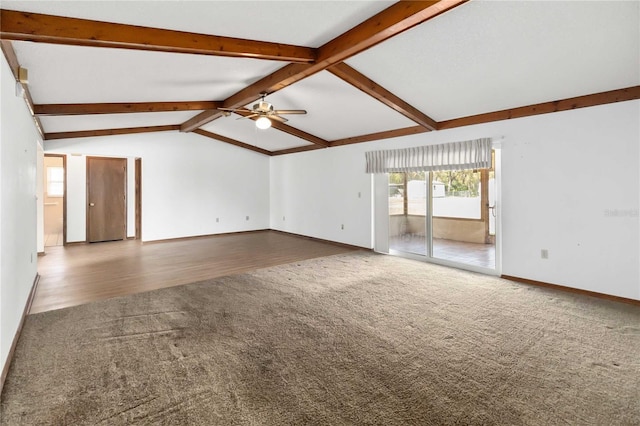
[[407, 212], [444, 216], [460, 217]]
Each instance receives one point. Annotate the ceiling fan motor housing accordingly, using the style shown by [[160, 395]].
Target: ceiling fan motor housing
[[263, 106]]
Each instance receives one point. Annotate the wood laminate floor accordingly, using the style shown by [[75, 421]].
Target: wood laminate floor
[[78, 274], [52, 240]]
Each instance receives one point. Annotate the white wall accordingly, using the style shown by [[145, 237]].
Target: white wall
[[562, 179], [18, 213], [318, 192], [570, 184], [40, 197], [77, 197], [187, 182]]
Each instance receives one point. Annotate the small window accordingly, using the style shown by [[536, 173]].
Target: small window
[[55, 181]]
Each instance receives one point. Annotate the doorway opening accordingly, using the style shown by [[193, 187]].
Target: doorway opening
[[55, 190], [447, 217]]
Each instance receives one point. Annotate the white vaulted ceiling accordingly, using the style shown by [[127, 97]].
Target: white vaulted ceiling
[[493, 55], [303, 23], [479, 57], [78, 74]]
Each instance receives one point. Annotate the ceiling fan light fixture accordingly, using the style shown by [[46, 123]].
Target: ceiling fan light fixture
[[263, 123]]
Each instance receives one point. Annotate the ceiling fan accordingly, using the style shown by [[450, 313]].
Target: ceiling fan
[[265, 113]]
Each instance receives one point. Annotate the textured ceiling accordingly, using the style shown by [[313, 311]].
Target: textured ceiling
[[304, 23], [479, 57], [489, 56]]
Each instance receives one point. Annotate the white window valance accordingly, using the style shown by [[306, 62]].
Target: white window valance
[[473, 154]]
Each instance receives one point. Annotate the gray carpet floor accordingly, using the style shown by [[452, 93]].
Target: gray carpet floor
[[350, 339]]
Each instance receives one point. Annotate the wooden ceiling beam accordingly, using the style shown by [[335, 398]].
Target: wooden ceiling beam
[[296, 149], [231, 141], [109, 132], [12, 60], [247, 95], [122, 108], [371, 88], [612, 96], [300, 134], [24, 26], [292, 131], [392, 21], [406, 131], [602, 98]]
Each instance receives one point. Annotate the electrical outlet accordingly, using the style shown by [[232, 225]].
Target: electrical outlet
[[544, 254]]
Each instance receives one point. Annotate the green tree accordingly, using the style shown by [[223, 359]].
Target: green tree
[[455, 181], [459, 181]]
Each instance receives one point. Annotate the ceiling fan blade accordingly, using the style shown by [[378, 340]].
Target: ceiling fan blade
[[234, 109], [290, 111], [278, 118], [248, 116]]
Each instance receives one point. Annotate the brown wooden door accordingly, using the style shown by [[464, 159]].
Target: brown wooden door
[[106, 199]]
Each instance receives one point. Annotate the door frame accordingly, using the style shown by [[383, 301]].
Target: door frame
[[64, 195], [126, 198], [484, 213], [138, 198], [381, 223]]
